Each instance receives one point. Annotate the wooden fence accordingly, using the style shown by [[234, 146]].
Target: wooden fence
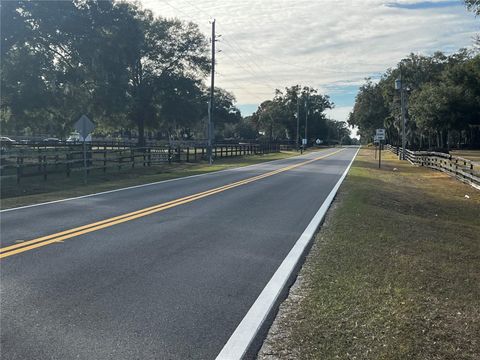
[[23, 161], [463, 169]]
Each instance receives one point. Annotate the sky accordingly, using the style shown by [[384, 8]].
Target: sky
[[332, 45]]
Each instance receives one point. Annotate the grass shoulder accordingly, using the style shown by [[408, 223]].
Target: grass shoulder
[[393, 272]]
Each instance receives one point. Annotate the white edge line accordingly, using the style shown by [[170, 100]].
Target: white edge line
[[239, 342], [148, 184]]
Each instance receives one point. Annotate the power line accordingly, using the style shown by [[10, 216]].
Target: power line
[[246, 61], [270, 86], [190, 17], [199, 9]]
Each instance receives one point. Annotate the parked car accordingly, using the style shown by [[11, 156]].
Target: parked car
[[77, 138], [6, 143], [51, 141]]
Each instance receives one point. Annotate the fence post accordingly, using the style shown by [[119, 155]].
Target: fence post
[[119, 159], [188, 154], [195, 153], [149, 157], [132, 157], [67, 165], [19, 174], [45, 167], [104, 159], [169, 154]]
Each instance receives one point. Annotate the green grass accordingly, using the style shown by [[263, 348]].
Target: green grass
[[393, 274], [34, 190]]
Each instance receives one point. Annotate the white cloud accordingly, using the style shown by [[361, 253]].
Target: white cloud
[[339, 113], [323, 43]]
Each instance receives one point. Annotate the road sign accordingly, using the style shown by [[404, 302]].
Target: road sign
[[381, 134], [304, 141], [318, 141], [84, 126]]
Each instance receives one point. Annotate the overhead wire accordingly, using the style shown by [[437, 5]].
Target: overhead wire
[[244, 63], [260, 72]]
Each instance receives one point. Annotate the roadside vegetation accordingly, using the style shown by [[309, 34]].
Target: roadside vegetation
[[442, 97], [136, 75], [443, 109], [393, 272], [35, 190]]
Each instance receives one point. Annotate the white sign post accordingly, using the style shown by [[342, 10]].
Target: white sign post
[[304, 145], [84, 126], [380, 136]]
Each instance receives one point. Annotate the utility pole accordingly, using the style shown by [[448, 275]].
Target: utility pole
[[211, 103], [298, 124], [400, 86], [402, 100]]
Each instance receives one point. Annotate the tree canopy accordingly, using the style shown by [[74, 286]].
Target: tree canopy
[[114, 61], [277, 118], [443, 101], [131, 72]]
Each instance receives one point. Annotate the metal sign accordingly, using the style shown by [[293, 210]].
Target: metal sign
[[318, 141], [84, 126], [375, 139], [380, 134], [304, 141]]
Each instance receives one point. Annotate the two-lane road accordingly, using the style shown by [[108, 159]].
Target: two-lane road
[[163, 271]]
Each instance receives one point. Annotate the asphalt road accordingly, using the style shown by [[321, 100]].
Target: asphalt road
[[170, 284]]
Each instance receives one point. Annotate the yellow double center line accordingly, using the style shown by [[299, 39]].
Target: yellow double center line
[[85, 229]]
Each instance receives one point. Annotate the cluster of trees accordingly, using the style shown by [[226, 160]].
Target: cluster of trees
[[114, 61], [442, 95], [277, 118], [130, 72], [443, 102]]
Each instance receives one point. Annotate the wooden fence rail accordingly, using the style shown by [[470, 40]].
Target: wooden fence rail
[[26, 162], [463, 169]]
